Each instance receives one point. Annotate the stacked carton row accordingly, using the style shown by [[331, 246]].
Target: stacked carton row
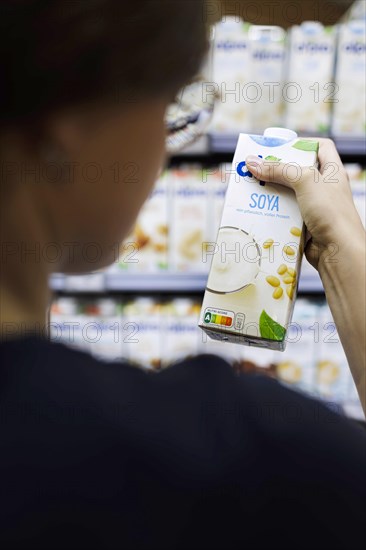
[[177, 228], [177, 223], [310, 79]]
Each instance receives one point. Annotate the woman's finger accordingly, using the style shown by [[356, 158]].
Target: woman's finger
[[330, 164], [290, 174]]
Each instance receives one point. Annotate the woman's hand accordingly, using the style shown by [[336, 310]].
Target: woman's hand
[[332, 221], [324, 197]]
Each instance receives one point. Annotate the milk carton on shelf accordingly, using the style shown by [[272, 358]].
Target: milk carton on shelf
[[255, 360], [217, 181], [145, 250], [212, 346], [310, 91], [104, 328], [180, 333], [357, 177], [356, 12], [267, 64], [230, 76], [67, 323], [252, 283], [349, 111], [142, 333], [296, 366], [332, 374], [189, 220]]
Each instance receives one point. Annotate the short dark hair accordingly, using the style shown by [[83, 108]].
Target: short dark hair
[[56, 53]]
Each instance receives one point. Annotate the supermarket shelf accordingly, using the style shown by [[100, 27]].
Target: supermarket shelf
[[223, 143], [93, 282], [310, 283], [57, 282], [157, 282], [350, 146], [199, 147], [153, 282], [226, 144]]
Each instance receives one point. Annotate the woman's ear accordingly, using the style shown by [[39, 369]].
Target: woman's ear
[[67, 131]]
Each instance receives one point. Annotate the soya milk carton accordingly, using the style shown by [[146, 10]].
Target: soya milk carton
[[256, 259], [349, 109], [310, 88]]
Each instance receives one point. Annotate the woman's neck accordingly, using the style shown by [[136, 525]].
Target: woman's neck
[[24, 270], [19, 319]]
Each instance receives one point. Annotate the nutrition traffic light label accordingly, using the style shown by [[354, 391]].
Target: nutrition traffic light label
[[218, 317]]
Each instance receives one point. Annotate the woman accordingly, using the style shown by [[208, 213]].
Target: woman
[[96, 455]]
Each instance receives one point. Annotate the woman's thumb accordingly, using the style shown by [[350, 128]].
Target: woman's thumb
[[290, 174]]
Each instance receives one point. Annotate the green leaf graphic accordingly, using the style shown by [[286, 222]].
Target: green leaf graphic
[[270, 329], [271, 157], [306, 145]]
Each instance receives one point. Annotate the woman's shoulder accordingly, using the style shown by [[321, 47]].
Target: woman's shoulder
[[36, 352]]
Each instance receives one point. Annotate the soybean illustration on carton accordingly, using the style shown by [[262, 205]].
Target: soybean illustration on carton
[[256, 260]]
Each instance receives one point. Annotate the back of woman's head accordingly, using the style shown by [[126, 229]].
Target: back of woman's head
[[84, 89], [61, 52]]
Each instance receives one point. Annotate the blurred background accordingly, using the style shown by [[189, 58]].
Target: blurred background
[[308, 62]]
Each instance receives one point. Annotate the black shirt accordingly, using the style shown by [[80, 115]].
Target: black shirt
[[98, 455]]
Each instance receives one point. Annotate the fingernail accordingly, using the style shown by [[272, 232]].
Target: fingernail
[[253, 161]]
